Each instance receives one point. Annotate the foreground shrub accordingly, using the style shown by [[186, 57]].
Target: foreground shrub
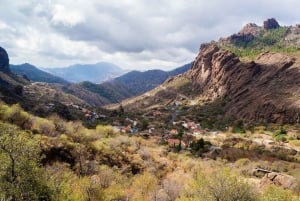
[[218, 186], [21, 177], [274, 193]]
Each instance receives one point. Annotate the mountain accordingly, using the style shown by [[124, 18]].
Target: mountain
[[132, 83], [95, 73], [265, 89], [253, 39], [35, 74]]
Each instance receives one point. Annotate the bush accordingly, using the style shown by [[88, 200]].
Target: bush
[[238, 127], [105, 131], [280, 135], [274, 193], [16, 115], [218, 185], [200, 146], [43, 126]]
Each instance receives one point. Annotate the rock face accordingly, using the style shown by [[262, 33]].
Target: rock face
[[264, 90], [271, 24], [246, 34], [283, 180], [250, 28], [4, 61]]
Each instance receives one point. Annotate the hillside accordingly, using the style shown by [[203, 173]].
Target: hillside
[[67, 161], [11, 85], [95, 73], [264, 90], [36, 75], [132, 84]]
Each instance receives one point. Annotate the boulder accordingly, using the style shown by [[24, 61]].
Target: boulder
[[4, 61], [283, 180], [271, 24]]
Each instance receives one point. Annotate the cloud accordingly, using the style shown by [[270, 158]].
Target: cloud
[[136, 34]]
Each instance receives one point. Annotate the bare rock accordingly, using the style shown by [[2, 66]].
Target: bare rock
[[254, 89], [283, 180], [4, 61], [250, 28], [271, 24]]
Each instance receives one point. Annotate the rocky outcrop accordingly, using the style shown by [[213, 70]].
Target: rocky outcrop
[[283, 180], [271, 24], [250, 28], [4, 61], [264, 90], [247, 34]]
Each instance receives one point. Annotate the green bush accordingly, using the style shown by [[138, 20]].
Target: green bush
[[280, 135], [238, 127], [21, 177]]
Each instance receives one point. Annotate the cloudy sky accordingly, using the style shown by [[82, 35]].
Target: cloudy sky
[[134, 34]]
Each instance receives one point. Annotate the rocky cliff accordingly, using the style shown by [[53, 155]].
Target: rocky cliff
[[4, 61], [264, 90]]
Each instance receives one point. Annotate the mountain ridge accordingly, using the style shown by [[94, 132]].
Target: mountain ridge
[[35, 74], [132, 83], [97, 73]]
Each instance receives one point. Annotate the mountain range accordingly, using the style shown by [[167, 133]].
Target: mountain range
[[96, 73], [132, 83], [128, 85], [35, 74]]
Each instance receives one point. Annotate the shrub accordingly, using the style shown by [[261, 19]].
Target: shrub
[[16, 115], [200, 146], [218, 185], [280, 135], [238, 127], [43, 126], [105, 131], [274, 193]]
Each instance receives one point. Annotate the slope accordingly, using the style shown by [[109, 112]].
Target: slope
[[132, 83], [35, 74]]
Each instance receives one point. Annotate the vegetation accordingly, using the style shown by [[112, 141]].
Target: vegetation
[[53, 159], [200, 146], [218, 185], [270, 40], [20, 175]]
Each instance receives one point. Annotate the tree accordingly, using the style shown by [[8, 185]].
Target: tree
[[21, 178], [179, 136]]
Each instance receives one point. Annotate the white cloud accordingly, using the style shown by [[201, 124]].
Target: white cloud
[[136, 34], [62, 15]]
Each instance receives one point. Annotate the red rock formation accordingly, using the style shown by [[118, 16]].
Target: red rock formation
[[264, 90]]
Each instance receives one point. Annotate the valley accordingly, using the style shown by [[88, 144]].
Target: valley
[[225, 127]]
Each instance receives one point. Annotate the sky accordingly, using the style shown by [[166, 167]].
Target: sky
[[133, 34]]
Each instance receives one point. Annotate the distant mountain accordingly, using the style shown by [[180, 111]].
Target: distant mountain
[[132, 83], [96, 73], [35, 74]]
